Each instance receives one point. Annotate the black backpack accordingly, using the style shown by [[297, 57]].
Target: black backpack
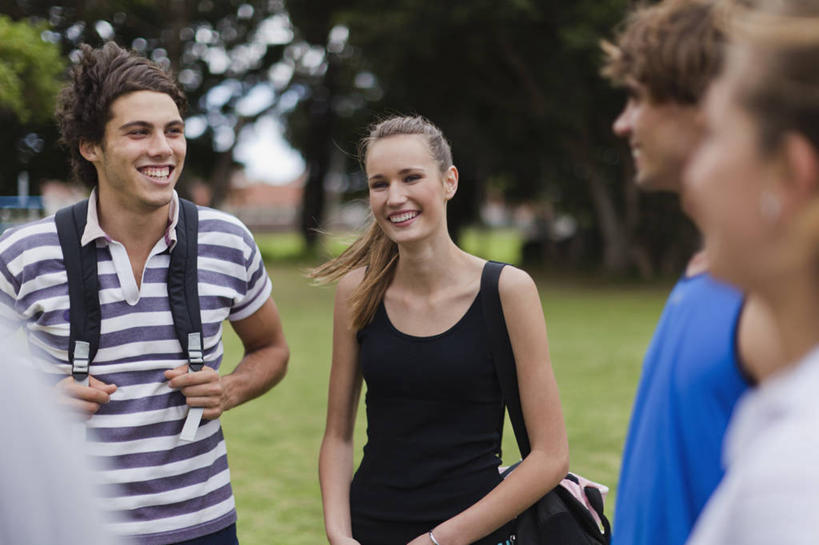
[[83, 287]]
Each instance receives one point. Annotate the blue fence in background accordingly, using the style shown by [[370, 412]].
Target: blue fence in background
[[18, 209]]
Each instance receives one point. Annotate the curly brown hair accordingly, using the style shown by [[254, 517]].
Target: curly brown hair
[[674, 48], [98, 78]]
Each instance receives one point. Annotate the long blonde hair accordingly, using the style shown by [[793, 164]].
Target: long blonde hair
[[374, 250]]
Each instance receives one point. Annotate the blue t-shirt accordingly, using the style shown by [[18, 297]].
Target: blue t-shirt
[[691, 380]]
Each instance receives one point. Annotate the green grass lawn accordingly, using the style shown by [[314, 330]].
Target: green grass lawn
[[598, 334]]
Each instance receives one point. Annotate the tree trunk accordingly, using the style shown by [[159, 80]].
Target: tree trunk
[[613, 228], [318, 154]]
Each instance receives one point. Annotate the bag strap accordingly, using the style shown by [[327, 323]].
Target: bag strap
[[83, 288], [504, 358], [596, 500], [183, 285], [500, 349]]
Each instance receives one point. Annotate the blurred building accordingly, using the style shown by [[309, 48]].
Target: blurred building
[[263, 206]]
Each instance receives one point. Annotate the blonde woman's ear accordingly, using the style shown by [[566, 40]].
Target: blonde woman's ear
[[450, 182]]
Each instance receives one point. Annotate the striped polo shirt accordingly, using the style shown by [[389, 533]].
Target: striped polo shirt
[[160, 489]]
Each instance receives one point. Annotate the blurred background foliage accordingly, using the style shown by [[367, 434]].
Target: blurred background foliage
[[514, 85]]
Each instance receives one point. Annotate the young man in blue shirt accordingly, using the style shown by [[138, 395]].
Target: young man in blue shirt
[[702, 355]]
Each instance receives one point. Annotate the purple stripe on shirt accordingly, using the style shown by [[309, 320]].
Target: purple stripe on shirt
[[222, 227], [45, 293], [133, 378], [180, 508], [45, 266], [257, 274], [10, 278], [145, 304], [101, 365], [143, 333], [222, 280], [53, 317], [160, 304], [133, 433], [222, 253], [155, 275], [254, 251], [163, 484], [214, 302], [108, 281], [27, 243], [150, 403], [239, 308], [159, 458]]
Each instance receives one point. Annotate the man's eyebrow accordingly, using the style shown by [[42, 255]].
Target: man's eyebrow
[[145, 124]]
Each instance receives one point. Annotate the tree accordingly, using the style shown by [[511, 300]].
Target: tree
[[221, 51], [29, 79], [515, 86]]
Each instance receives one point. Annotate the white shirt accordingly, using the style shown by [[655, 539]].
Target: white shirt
[[770, 492]]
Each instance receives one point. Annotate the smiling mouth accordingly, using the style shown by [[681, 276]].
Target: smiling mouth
[[157, 173], [404, 216]]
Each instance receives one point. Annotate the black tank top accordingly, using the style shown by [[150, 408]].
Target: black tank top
[[434, 422]]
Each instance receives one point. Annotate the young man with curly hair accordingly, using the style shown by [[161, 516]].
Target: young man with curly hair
[[710, 337], [121, 118]]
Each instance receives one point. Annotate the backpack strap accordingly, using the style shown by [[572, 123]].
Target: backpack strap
[[83, 289], [500, 349], [183, 295], [183, 285]]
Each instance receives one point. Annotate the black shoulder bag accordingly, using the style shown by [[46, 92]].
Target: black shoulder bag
[[558, 518]]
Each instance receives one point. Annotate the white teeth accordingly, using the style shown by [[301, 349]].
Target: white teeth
[[403, 217], [157, 172]]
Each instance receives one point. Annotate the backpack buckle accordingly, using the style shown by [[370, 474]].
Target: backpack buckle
[[80, 363], [195, 359]]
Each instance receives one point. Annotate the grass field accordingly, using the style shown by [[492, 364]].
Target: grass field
[[598, 334]]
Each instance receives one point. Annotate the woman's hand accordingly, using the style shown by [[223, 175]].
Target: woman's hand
[[423, 539]]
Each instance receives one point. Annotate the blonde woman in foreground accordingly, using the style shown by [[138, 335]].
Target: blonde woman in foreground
[[408, 321], [753, 188]]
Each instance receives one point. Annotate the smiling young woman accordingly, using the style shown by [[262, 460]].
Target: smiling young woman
[[408, 322]]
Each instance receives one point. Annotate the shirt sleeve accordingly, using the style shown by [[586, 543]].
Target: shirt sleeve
[[257, 281], [10, 319]]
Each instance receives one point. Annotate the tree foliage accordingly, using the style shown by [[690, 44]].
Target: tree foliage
[[29, 79], [29, 71], [222, 52], [516, 88]]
